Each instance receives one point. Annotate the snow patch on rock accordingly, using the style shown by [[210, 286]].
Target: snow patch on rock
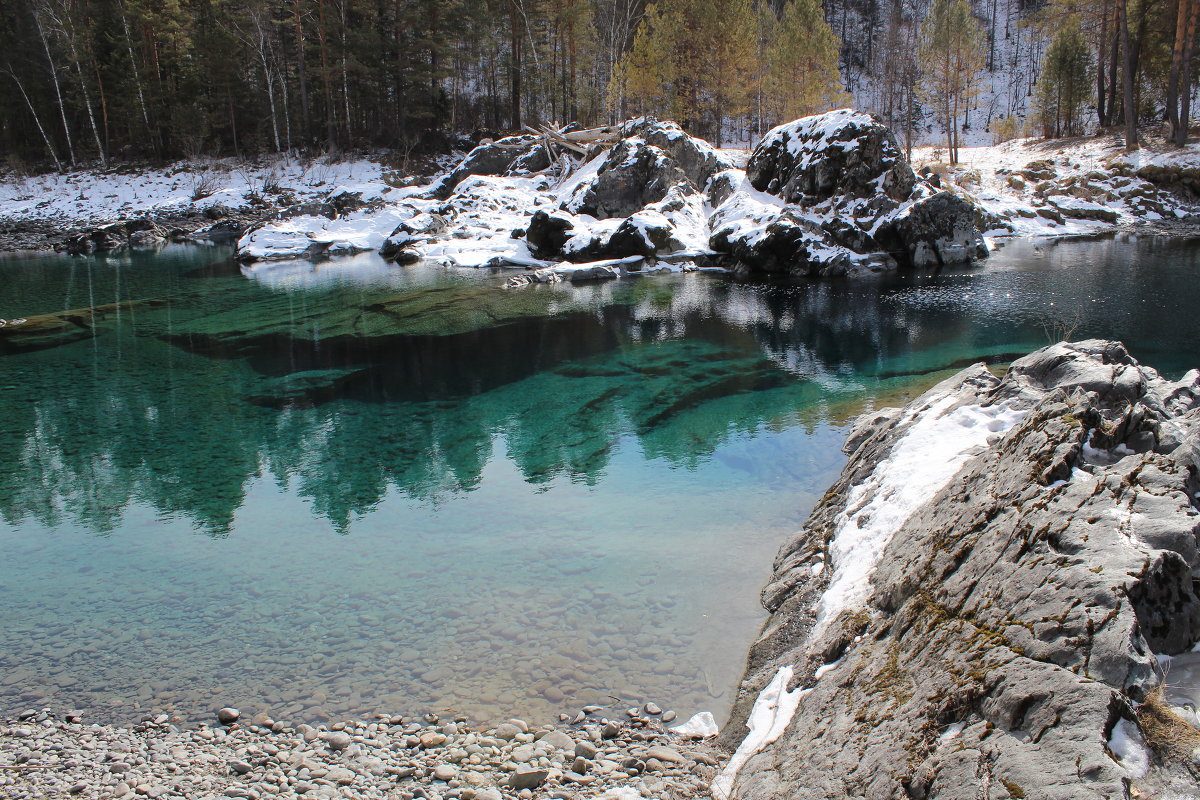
[[769, 718], [1129, 748], [931, 452]]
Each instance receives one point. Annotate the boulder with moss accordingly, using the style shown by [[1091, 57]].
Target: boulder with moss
[[978, 606]]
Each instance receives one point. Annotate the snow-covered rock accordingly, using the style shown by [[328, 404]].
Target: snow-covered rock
[[517, 155], [845, 153], [632, 175], [299, 232], [832, 194]]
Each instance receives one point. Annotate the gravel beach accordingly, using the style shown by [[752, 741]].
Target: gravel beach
[[598, 752]]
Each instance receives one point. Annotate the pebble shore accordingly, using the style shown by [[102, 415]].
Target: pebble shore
[[599, 752]]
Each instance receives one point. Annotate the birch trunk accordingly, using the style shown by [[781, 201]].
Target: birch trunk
[[37, 120], [62, 109]]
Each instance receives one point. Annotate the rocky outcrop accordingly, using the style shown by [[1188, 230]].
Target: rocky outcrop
[[643, 197], [134, 233], [974, 609], [842, 154], [518, 154], [833, 194], [936, 230], [633, 175]]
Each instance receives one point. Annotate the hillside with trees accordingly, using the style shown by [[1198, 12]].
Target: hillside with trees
[[94, 81]]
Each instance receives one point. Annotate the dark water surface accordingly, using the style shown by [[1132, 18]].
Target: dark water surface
[[348, 488]]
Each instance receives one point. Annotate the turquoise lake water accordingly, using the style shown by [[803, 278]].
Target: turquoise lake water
[[350, 487]]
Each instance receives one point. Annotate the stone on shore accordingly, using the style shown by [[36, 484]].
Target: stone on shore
[[367, 760]]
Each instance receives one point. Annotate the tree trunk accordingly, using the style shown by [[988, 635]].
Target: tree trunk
[[302, 77], [1131, 135], [1115, 113], [137, 79], [1101, 105], [326, 82], [1185, 78], [345, 74], [37, 120], [103, 101], [62, 109], [514, 43], [1177, 48], [87, 100]]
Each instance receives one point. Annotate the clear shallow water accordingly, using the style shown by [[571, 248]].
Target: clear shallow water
[[353, 488]]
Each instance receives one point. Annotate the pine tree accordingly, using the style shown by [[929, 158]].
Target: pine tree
[[692, 62], [802, 76], [1065, 86], [899, 74], [953, 49]]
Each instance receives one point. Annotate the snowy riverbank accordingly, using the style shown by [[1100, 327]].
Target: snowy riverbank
[[44, 211], [478, 212], [1086, 185]]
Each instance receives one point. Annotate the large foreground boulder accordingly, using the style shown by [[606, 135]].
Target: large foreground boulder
[[978, 606]]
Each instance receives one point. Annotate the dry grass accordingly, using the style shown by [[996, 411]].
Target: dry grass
[[1169, 735]]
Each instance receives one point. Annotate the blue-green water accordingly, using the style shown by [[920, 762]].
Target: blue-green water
[[349, 487]]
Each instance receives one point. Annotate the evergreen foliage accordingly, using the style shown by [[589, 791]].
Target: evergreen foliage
[[94, 81], [802, 64], [727, 60], [1065, 86], [693, 62], [953, 53]]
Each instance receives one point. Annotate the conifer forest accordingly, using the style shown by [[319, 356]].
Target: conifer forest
[[92, 81]]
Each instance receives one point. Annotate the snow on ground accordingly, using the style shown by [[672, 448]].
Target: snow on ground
[[1038, 187], [97, 196], [933, 449], [1025, 187]]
